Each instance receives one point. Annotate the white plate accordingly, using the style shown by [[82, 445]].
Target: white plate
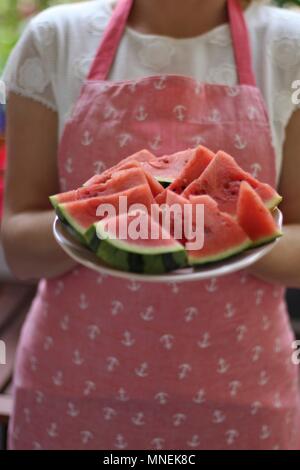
[[82, 255]]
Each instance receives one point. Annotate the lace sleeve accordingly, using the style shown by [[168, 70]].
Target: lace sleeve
[[28, 71]]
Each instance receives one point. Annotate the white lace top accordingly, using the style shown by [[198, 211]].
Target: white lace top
[[55, 52]]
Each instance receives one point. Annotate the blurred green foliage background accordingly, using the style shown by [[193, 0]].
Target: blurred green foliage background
[[15, 13]]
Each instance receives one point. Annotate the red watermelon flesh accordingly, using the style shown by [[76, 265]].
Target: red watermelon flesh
[[223, 236], [167, 168], [221, 180], [141, 156], [82, 214], [173, 199], [252, 215], [118, 182], [193, 169]]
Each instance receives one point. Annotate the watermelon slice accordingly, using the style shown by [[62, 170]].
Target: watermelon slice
[[167, 168], [223, 236], [81, 215], [254, 217], [118, 182], [141, 255], [141, 156], [221, 180], [193, 169]]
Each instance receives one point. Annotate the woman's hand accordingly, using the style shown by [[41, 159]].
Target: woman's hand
[[31, 177], [282, 264]]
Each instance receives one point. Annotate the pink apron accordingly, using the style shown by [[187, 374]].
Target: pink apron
[[110, 364]]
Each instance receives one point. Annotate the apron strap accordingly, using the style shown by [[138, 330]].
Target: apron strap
[[112, 36], [241, 43], [110, 41]]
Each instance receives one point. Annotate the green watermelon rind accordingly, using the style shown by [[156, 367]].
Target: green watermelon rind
[[193, 261], [134, 258], [54, 200], [273, 202], [266, 240]]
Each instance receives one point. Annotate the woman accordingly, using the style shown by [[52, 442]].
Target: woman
[[104, 363]]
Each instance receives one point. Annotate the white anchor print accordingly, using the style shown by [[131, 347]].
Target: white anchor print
[[122, 395], [133, 87], [93, 331], [155, 143], [277, 347], [190, 313], [52, 430], [231, 436], [194, 441], [258, 296], [89, 387], [99, 167], [128, 340], [141, 114], [218, 417], [138, 419], [83, 303], [256, 353], [232, 91], [48, 342], [59, 288], [255, 169], [215, 116], [263, 378], [276, 447], [39, 397], [234, 387], [178, 419], [255, 407], [110, 112], [252, 112], [147, 315], [212, 285], [160, 84], [134, 286], [167, 341], [265, 432], [33, 363], [223, 366], [27, 414], [277, 400], [86, 436], [63, 184], [198, 88], [229, 311], [16, 433], [239, 142], [100, 278], [72, 410], [243, 278], [109, 413], [141, 371], [116, 307], [36, 445], [77, 358], [197, 140], [65, 322], [69, 165], [266, 323], [200, 397], [87, 139], [241, 331], [157, 443], [205, 341], [120, 442], [288, 417], [112, 363], [124, 139], [162, 397], [57, 378], [174, 287], [184, 369], [180, 112]]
